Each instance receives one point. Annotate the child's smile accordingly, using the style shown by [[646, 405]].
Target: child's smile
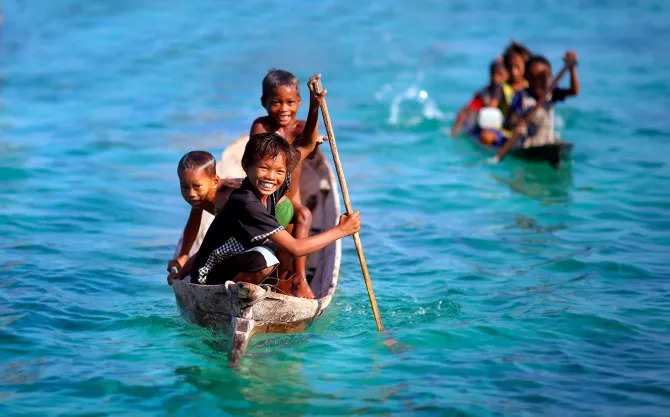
[[267, 175], [198, 188], [283, 105]]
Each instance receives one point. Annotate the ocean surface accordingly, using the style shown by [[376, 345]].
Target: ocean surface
[[520, 290]]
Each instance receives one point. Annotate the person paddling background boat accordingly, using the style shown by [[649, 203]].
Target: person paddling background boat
[[540, 129]]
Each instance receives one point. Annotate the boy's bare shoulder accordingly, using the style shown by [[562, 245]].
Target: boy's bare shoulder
[[298, 127], [261, 125]]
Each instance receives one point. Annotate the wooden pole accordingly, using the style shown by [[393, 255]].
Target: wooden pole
[[318, 88]]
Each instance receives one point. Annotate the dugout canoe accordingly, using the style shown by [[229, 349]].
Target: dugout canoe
[[244, 309], [553, 154]]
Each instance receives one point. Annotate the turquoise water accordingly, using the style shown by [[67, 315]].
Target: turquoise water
[[520, 290]]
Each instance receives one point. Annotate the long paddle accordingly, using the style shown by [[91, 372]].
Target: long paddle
[[515, 136], [393, 345]]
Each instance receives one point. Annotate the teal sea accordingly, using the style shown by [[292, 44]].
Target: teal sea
[[521, 291]]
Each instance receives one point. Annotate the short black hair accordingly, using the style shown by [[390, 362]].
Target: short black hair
[[495, 65], [276, 78], [515, 48], [537, 59], [198, 160], [264, 145]]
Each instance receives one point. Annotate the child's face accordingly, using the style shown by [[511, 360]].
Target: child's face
[[499, 75], [268, 174], [197, 187], [282, 105], [539, 76], [517, 67]]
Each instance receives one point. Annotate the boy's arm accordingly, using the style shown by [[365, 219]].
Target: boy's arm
[[188, 237], [571, 60], [348, 225], [496, 96], [460, 119], [310, 137]]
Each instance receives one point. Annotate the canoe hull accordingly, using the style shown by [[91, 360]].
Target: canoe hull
[[553, 153], [214, 307]]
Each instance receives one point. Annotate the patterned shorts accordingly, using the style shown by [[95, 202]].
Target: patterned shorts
[[254, 259]]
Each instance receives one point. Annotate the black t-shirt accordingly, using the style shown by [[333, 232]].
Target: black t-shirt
[[242, 223]]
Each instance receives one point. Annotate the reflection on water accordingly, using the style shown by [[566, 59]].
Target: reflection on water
[[539, 181], [270, 383]]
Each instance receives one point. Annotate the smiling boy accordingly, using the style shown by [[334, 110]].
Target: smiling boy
[[237, 245], [281, 99]]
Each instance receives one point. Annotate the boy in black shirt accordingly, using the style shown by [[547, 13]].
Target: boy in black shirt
[[236, 245]]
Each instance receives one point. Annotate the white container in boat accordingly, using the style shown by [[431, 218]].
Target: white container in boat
[[490, 118]]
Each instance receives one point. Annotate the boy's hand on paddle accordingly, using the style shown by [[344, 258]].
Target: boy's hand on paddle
[[570, 59], [316, 92], [350, 223]]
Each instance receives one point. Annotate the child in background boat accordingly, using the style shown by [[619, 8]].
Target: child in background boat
[[540, 130], [496, 95], [281, 99], [515, 57], [236, 245]]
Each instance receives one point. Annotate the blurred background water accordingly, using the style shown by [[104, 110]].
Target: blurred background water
[[521, 290]]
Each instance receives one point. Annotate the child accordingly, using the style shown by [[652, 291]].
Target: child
[[204, 191], [540, 129], [496, 95], [281, 99], [515, 57], [236, 246]]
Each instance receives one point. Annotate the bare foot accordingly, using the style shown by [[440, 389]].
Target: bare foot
[[301, 288]]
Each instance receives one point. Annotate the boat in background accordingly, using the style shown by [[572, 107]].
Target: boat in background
[[492, 118], [244, 309], [553, 153]]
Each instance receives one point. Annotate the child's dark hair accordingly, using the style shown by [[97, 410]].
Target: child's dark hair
[[537, 59], [515, 48], [271, 145], [495, 64], [198, 160], [278, 78]]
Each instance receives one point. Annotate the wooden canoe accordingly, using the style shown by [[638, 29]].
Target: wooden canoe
[[244, 309], [553, 153]]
